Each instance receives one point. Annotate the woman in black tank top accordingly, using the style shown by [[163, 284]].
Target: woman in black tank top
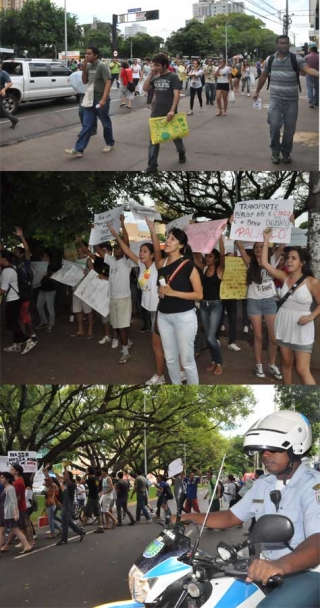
[[210, 307]]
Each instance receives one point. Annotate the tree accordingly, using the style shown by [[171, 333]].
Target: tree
[[246, 35], [39, 28], [237, 461], [192, 40], [303, 399]]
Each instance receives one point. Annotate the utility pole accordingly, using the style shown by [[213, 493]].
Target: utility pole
[[286, 19]]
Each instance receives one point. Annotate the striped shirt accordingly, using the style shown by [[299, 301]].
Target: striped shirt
[[283, 79]]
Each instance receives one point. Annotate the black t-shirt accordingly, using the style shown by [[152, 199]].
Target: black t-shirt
[[211, 286], [122, 489], [93, 487], [164, 85], [68, 493], [100, 266], [181, 282]]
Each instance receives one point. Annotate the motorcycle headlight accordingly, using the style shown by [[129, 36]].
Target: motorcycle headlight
[[139, 587]]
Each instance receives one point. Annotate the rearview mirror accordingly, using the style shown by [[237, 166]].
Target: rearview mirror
[[272, 529]]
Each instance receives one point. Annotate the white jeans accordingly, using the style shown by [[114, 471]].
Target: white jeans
[[178, 332]]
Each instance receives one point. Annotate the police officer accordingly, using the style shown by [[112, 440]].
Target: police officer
[[283, 438], [5, 84]]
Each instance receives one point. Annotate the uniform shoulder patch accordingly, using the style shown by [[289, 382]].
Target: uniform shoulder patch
[[316, 487]]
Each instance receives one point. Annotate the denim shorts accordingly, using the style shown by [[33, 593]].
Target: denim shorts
[[263, 306], [301, 348]]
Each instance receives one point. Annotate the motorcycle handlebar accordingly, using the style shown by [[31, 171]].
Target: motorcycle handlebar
[[277, 579]]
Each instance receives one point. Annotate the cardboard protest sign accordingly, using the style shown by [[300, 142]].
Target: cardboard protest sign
[[28, 460], [252, 217], [141, 213], [299, 237], [234, 283], [101, 233], [179, 222], [204, 236], [4, 466], [94, 292], [175, 467], [39, 269], [70, 274], [162, 130]]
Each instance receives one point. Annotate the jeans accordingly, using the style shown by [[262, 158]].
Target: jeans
[[155, 148], [12, 321], [89, 116], [193, 93], [81, 116], [210, 92], [122, 504], [46, 297], [141, 507], [5, 113], [67, 522], [231, 307], [313, 90], [211, 315], [245, 83], [178, 332], [50, 513], [282, 113], [299, 590], [115, 77], [245, 318]]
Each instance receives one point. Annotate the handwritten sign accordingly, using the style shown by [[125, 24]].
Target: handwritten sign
[[234, 283], [70, 274], [101, 232], [161, 130], [39, 269], [28, 460], [203, 237], [179, 222], [4, 463], [252, 217], [94, 292], [141, 213], [299, 237], [175, 467]]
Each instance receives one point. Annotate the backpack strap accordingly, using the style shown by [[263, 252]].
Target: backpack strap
[[294, 64], [11, 286], [183, 263], [269, 66]]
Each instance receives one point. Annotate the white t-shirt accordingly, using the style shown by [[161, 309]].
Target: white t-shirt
[[195, 80], [223, 74], [148, 284], [9, 283], [119, 277], [136, 70], [81, 491], [28, 497], [267, 289], [246, 72]]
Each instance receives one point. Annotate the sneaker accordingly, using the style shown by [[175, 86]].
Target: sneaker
[[201, 110], [14, 123], [183, 377], [275, 371], [74, 152], [49, 329], [182, 158], [105, 340], [149, 521], [124, 358], [15, 348], [42, 326], [275, 159], [286, 158], [151, 170], [248, 95], [130, 343], [242, 93], [107, 148], [71, 319], [115, 343], [34, 537], [245, 329], [131, 523], [259, 371], [29, 345], [190, 113], [234, 347], [144, 329], [223, 328], [99, 531], [156, 380]]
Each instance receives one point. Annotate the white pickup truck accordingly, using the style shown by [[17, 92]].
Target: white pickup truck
[[36, 79]]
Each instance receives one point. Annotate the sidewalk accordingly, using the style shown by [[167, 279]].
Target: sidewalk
[[239, 141]]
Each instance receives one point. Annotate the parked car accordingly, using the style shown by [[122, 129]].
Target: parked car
[[36, 79]]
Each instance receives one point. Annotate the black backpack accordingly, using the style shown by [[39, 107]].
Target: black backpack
[[24, 283], [168, 493], [294, 64]]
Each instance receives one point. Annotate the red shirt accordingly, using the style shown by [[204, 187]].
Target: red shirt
[[126, 75], [20, 489], [171, 68], [312, 60]]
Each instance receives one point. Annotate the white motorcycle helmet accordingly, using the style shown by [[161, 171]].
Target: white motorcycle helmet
[[281, 431]]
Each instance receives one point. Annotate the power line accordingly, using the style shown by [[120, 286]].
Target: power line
[[265, 10], [255, 13]]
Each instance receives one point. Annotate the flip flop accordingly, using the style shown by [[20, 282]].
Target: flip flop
[[218, 370], [77, 335], [25, 551], [219, 114], [211, 367]]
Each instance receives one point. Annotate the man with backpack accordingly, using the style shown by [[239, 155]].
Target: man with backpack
[[282, 70], [25, 279], [10, 289]]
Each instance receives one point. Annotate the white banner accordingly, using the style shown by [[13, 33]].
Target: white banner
[[28, 460], [94, 292], [141, 213], [179, 222], [299, 237], [4, 466], [39, 269], [70, 274], [38, 480], [101, 233], [175, 467], [252, 217]]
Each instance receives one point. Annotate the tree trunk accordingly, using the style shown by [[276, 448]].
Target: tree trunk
[[314, 248]]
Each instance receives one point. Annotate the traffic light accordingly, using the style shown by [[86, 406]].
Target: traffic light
[[152, 15]]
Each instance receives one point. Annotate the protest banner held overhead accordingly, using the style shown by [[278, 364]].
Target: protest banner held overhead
[[70, 274], [234, 283], [179, 222], [252, 217], [28, 460], [141, 213], [39, 269], [94, 292], [204, 236], [101, 231]]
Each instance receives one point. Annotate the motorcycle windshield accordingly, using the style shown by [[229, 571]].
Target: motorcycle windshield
[[168, 544]]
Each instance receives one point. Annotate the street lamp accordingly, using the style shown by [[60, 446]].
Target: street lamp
[[226, 37], [65, 33], [145, 432]]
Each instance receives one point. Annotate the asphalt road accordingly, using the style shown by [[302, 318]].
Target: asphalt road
[[84, 574]]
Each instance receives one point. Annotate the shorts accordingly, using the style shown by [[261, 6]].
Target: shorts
[[25, 316], [120, 312], [80, 306], [263, 306], [300, 348], [222, 86], [92, 508], [106, 503]]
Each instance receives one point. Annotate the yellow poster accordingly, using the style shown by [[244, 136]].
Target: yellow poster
[[234, 284], [161, 130]]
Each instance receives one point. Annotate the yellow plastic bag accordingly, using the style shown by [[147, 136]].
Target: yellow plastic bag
[[161, 130]]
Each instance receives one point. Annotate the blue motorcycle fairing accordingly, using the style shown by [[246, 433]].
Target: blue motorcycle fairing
[[122, 604], [237, 593], [169, 566]]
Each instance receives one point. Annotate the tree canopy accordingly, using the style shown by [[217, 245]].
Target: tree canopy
[[303, 399]]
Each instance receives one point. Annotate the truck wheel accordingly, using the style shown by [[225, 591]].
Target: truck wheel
[[10, 103]]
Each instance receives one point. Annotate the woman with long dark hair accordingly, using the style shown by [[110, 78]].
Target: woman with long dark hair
[[180, 286], [294, 326]]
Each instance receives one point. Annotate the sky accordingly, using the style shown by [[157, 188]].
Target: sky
[[173, 16], [264, 395]]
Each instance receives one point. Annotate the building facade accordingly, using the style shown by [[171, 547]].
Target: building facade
[[211, 8], [314, 20], [133, 29]]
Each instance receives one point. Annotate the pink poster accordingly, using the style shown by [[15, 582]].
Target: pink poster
[[204, 236]]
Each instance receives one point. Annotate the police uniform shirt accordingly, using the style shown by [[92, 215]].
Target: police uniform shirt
[[300, 501]]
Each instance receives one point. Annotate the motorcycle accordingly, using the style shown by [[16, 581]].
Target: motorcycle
[[171, 573]]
